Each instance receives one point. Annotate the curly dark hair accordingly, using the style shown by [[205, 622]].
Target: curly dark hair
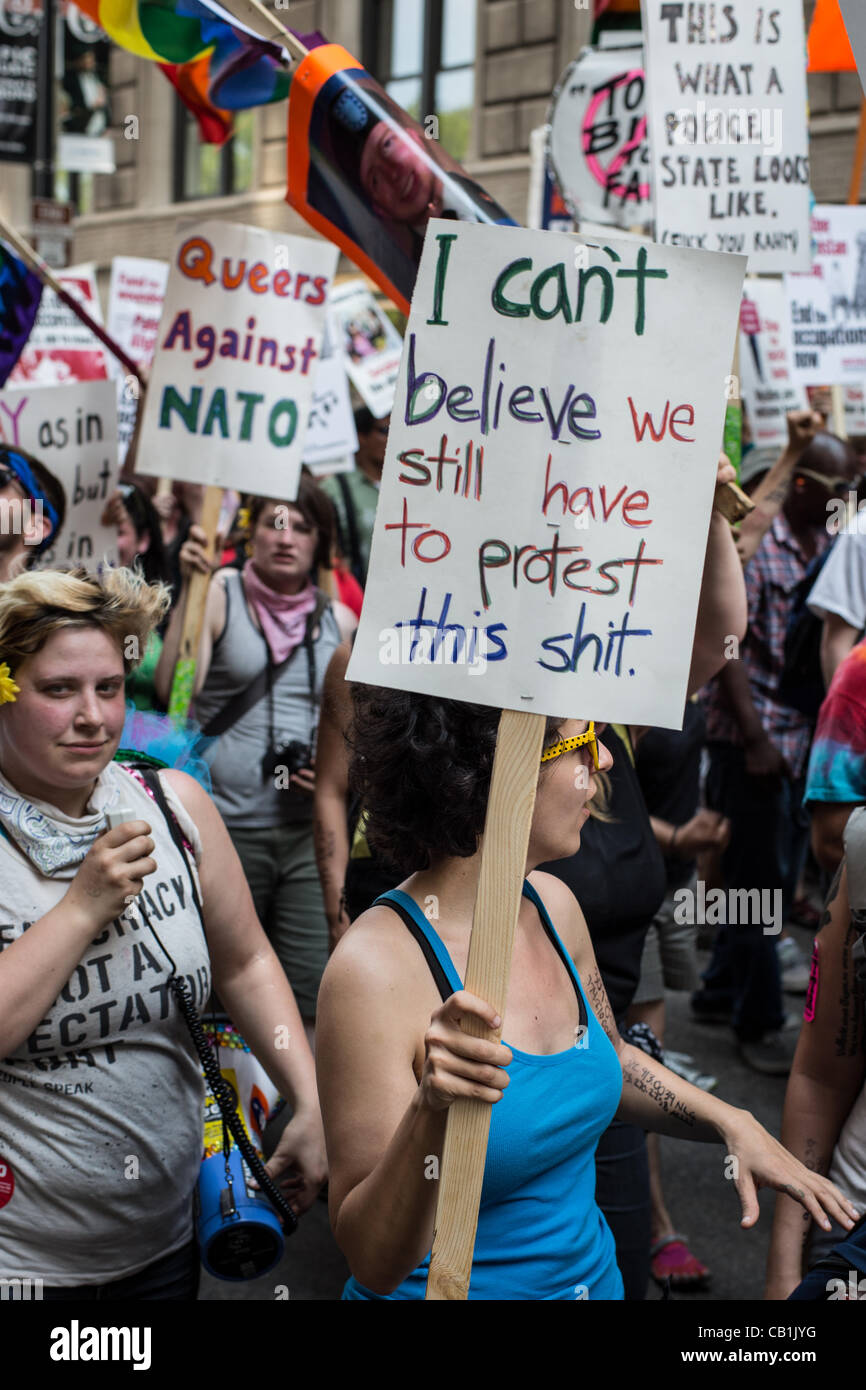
[[421, 767]]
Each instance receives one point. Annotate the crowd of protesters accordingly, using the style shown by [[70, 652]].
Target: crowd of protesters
[[338, 814]]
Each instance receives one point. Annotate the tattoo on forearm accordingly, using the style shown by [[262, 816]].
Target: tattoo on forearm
[[325, 846], [600, 1004], [645, 1081]]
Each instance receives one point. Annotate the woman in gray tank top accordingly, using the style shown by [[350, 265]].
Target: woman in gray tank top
[[268, 636]]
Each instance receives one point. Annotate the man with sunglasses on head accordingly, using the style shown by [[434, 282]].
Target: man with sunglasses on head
[[32, 510], [758, 740]]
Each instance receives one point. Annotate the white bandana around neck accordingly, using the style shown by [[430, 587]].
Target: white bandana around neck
[[55, 842]]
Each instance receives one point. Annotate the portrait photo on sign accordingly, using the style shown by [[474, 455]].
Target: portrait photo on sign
[[371, 176]]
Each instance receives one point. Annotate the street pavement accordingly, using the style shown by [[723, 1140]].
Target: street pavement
[[702, 1202]]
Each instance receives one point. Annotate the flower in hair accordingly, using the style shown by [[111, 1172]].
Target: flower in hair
[[8, 688]]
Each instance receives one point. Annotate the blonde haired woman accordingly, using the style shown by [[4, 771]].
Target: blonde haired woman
[[100, 1090]]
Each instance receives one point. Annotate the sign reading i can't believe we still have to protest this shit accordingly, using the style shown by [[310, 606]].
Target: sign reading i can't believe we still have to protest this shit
[[235, 367], [726, 86], [550, 472]]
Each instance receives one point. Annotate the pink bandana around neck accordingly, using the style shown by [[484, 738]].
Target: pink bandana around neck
[[283, 617]]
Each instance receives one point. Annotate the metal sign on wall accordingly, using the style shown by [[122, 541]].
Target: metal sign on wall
[[20, 34]]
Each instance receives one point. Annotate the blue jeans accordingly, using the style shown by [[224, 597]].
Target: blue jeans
[[769, 836], [174, 1277]]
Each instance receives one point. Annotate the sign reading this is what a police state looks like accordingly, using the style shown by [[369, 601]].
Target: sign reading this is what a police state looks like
[[550, 471], [238, 347]]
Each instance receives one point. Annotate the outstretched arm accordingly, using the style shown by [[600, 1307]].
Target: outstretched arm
[[657, 1099], [722, 610]]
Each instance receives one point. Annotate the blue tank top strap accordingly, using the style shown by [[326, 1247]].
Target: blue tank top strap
[[440, 963]]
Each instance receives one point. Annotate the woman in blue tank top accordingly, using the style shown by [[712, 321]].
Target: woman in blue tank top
[[392, 1056]]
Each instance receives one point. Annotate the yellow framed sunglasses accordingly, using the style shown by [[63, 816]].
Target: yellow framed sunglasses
[[565, 745]]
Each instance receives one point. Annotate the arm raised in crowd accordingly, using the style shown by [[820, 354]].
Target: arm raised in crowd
[[770, 494], [722, 610], [826, 1077]]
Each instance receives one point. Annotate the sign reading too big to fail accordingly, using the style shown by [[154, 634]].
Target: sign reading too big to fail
[[550, 473]]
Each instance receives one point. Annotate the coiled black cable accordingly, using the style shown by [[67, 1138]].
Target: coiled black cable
[[224, 1097]]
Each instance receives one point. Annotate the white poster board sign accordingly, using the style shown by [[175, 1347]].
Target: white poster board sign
[[72, 430], [61, 348], [728, 129], [135, 297], [854, 16], [827, 308], [550, 472], [765, 363], [370, 344], [238, 349], [597, 138], [331, 433]]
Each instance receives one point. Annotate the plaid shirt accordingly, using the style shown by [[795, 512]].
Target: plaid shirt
[[772, 575]]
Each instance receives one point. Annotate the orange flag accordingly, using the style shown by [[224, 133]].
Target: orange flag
[[829, 47]]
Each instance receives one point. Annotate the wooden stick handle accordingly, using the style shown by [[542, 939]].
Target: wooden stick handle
[[837, 408], [250, 11], [193, 617], [513, 782], [35, 263], [732, 502]]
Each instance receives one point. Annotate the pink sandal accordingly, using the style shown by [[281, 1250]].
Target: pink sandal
[[671, 1259]]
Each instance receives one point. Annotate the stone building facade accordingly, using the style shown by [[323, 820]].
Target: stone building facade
[[521, 48]]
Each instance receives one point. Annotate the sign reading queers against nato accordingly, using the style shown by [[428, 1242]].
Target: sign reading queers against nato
[[728, 129], [239, 342], [73, 431], [550, 471]]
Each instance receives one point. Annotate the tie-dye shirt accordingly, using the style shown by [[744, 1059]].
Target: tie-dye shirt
[[837, 765]]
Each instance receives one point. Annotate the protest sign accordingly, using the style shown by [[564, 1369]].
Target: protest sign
[[370, 344], [332, 440], [72, 430], [550, 472], [765, 363], [827, 308], [135, 297], [238, 347], [728, 129], [60, 347], [854, 16], [597, 141], [544, 202]]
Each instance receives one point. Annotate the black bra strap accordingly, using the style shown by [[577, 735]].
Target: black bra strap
[[443, 984]]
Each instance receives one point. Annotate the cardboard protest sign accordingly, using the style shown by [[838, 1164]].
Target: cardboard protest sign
[[238, 347], [855, 22], [370, 344], [60, 347], [827, 308], [72, 430], [728, 129], [765, 363], [597, 140], [550, 471], [332, 440], [135, 297]]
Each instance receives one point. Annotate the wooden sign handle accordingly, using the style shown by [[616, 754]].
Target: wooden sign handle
[[519, 746], [732, 502], [193, 618]]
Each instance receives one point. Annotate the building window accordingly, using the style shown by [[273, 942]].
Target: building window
[[211, 171], [423, 54]]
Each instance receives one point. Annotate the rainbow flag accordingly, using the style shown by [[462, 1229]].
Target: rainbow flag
[[243, 69], [191, 81], [20, 293]]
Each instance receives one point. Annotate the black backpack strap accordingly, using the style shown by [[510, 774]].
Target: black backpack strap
[[244, 700], [441, 979], [150, 777]]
